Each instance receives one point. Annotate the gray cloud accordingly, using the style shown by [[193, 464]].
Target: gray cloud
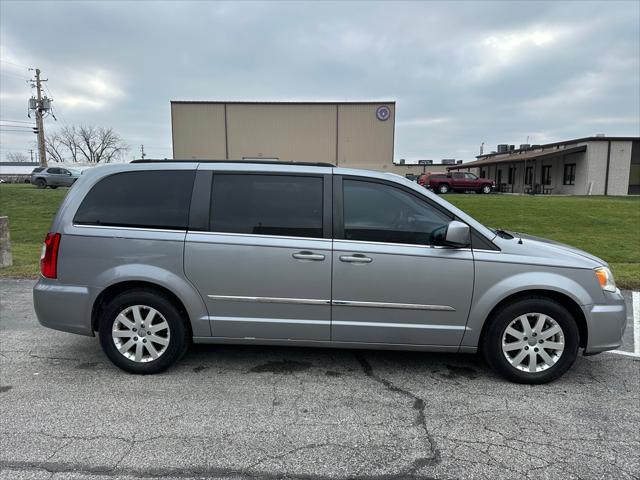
[[462, 72]]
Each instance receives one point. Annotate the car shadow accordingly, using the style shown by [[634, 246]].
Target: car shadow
[[330, 361]]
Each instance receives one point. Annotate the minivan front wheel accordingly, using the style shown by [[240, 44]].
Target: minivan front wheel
[[534, 340], [142, 332]]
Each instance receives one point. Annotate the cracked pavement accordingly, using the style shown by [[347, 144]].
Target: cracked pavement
[[236, 412]]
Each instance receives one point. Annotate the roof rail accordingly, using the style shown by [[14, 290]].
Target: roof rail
[[259, 162]]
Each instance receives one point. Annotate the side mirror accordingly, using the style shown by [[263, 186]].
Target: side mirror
[[457, 235]]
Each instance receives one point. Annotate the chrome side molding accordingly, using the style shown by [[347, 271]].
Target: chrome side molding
[[294, 301], [343, 323], [269, 320], [404, 306], [341, 303]]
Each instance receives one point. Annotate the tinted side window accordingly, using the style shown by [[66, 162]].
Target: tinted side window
[[54, 171], [285, 205], [37, 169], [381, 213], [153, 199]]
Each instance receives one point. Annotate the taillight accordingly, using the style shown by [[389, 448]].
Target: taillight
[[49, 256]]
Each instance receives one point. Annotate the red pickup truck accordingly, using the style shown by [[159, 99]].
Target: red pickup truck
[[456, 181]]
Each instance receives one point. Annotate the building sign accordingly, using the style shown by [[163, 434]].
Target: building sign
[[383, 113]]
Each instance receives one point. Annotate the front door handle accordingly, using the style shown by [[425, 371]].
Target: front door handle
[[306, 255], [355, 258]]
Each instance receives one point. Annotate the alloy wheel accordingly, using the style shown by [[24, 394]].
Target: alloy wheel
[[140, 333], [533, 342]]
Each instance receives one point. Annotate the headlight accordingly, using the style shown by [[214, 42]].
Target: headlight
[[605, 279]]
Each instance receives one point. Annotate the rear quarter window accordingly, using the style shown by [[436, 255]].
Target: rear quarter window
[[37, 169], [151, 199]]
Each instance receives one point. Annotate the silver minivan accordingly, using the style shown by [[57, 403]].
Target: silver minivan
[[155, 255]]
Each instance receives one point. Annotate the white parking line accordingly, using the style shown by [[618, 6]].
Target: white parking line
[[635, 305]]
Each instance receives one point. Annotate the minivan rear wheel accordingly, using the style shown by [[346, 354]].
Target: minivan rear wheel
[[40, 183], [142, 332], [533, 340]]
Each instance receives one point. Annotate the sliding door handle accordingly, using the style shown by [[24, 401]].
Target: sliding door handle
[[306, 255], [355, 258]]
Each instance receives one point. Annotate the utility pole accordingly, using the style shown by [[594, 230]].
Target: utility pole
[[39, 122], [39, 108], [142, 154]]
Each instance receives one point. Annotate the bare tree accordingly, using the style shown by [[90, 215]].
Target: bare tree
[[99, 144], [69, 139], [55, 146], [86, 144], [17, 157]]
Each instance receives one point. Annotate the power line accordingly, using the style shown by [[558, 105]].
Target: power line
[[7, 74], [18, 121], [14, 64], [3, 129], [18, 127], [46, 87]]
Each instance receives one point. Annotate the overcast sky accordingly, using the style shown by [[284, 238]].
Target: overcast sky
[[462, 72]]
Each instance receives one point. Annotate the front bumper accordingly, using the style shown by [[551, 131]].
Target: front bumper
[[606, 323], [63, 307]]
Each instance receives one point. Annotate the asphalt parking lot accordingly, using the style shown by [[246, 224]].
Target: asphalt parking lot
[[266, 413]]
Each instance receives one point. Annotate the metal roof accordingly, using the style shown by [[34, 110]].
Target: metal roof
[[19, 164], [286, 102], [568, 142], [520, 156]]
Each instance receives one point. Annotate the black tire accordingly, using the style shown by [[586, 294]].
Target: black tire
[[443, 188], [53, 186], [179, 338], [486, 189], [491, 344], [40, 183]]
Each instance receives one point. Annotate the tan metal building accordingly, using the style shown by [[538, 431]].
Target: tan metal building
[[349, 134]]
